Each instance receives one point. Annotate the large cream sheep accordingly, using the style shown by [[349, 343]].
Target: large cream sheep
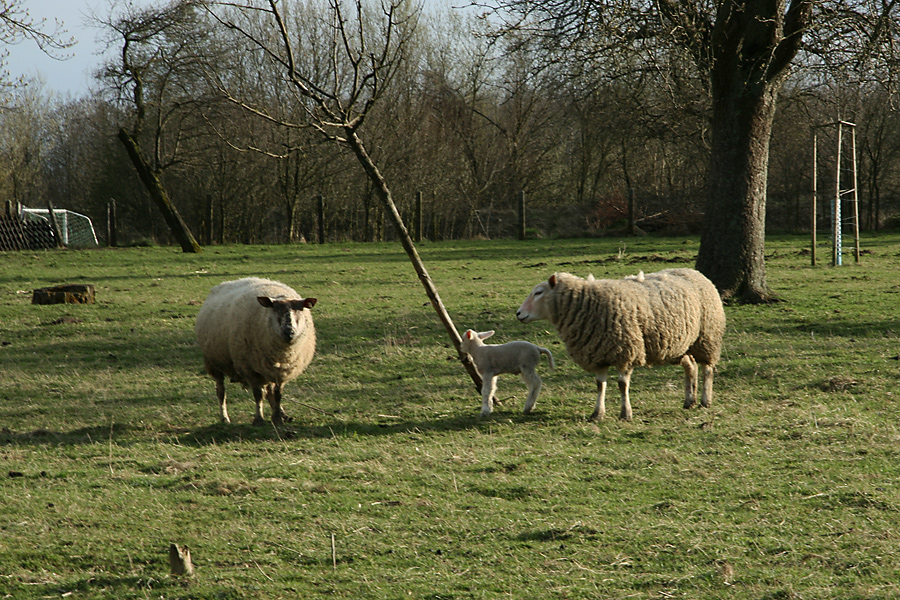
[[258, 333], [674, 316], [496, 359]]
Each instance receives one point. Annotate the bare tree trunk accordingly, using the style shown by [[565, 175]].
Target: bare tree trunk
[[751, 49], [733, 241], [155, 187], [384, 193]]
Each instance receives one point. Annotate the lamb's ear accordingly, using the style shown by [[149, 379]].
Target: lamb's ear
[[552, 281], [264, 301], [486, 334], [469, 334]]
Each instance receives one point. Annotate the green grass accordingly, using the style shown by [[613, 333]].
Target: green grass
[[111, 449]]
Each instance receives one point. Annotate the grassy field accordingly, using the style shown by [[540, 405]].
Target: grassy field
[[388, 485]]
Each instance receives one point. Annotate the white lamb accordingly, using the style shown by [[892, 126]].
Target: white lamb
[[259, 333], [511, 357], [674, 316]]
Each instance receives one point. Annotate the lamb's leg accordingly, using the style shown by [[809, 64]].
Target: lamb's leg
[[690, 380], [488, 388], [600, 409], [624, 384], [258, 393], [273, 391], [220, 394], [534, 388], [706, 399]]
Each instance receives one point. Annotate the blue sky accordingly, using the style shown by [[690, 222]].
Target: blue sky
[[67, 77], [73, 76]]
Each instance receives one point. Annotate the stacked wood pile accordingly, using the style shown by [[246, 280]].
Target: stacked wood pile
[[19, 234]]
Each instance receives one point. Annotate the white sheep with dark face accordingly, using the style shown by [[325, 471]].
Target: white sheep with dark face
[[512, 357], [258, 333], [674, 316]]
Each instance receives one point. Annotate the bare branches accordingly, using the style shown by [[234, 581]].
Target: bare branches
[[16, 25], [336, 62]]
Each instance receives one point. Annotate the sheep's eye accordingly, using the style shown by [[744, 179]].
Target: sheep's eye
[[538, 292]]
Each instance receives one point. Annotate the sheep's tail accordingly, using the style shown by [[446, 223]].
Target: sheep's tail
[[549, 356]]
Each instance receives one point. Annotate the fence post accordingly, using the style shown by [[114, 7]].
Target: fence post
[[320, 212], [434, 217], [521, 214], [210, 219], [630, 211], [111, 240], [417, 219]]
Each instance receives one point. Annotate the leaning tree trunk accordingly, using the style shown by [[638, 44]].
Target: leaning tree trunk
[[173, 219], [384, 194]]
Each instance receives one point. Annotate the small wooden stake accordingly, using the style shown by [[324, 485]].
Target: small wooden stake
[[333, 554]]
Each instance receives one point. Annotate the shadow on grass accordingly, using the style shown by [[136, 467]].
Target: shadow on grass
[[48, 437], [129, 585], [221, 433]]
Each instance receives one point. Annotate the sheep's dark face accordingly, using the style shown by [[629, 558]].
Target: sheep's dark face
[[288, 314]]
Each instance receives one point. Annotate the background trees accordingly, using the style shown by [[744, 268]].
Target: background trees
[[465, 119]]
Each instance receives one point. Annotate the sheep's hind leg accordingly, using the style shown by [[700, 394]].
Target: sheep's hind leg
[[534, 388], [690, 380], [706, 399], [220, 394], [600, 409], [624, 384], [488, 388], [273, 392], [258, 393]]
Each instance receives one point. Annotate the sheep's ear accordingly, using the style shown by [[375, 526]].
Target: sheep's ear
[[469, 334], [308, 303], [486, 334], [552, 281], [264, 301]]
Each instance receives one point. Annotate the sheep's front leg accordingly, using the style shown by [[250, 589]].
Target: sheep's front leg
[[258, 393], [534, 388], [488, 387], [273, 392], [220, 394], [624, 383], [706, 399], [690, 380], [600, 409]]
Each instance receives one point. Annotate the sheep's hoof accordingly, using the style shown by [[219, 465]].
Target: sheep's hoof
[[625, 416], [258, 422], [688, 404], [282, 419]]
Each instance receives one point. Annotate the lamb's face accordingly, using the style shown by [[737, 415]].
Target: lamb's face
[[287, 315], [472, 339], [468, 341], [533, 309]]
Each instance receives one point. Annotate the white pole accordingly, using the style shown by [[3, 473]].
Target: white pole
[[836, 207]]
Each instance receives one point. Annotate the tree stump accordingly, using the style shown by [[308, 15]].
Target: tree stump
[[180, 560], [64, 294]]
